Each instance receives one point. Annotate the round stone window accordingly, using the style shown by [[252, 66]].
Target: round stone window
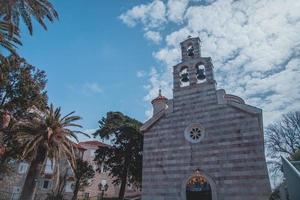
[[194, 133]]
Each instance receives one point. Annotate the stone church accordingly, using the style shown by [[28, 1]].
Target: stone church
[[203, 144]]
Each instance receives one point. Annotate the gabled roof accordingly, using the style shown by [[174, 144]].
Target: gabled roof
[[152, 121], [93, 143], [78, 146]]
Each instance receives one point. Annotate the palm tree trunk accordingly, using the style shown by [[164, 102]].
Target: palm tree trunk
[[33, 175]]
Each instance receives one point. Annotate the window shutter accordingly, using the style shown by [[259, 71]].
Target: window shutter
[[40, 183], [50, 184]]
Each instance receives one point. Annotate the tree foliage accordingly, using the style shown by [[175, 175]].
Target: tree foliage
[[9, 38], [123, 159], [10, 150], [12, 11], [83, 173], [21, 86], [46, 135]]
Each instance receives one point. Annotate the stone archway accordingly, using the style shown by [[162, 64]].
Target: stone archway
[[198, 186]]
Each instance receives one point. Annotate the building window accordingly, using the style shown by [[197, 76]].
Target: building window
[[184, 77], [102, 168], [103, 182], [93, 152], [86, 195], [16, 193], [49, 167], [190, 50], [194, 133], [23, 168], [46, 184], [69, 186], [69, 172], [200, 73]]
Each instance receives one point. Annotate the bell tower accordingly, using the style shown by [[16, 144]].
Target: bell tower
[[193, 70], [190, 48]]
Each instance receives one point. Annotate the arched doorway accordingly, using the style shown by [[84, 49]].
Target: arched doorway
[[198, 188]]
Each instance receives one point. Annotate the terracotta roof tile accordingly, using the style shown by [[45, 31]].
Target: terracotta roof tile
[[94, 143], [78, 146], [159, 97]]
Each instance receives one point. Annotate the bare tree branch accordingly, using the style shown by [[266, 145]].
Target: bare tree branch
[[283, 138]]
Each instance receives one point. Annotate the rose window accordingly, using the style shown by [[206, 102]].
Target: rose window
[[194, 133]]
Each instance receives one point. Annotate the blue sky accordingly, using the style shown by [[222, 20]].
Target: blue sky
[[114, 55], [91, 59]]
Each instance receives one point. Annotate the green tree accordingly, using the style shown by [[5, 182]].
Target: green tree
[[123, 159], [21, 86], [46, 135], [9, 150], [83, 173]]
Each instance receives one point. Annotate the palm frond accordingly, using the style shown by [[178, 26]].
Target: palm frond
[[40, 10], [31, 146], [9, 36], [82, 133], [63, 118], [52, 132]]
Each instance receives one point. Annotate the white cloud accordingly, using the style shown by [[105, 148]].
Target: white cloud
[[151, 15], [174, 38], [141, 74], [169, 56], [89, 88], [153, 36], [176, 9], [254, 46]]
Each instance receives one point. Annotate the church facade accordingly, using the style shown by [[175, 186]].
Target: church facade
[[203, 144]]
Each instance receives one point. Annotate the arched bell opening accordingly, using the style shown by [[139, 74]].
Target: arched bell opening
[[184, 77], [200, 73], [190, 50]]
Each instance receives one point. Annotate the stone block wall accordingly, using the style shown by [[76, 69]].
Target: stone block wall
[[231, 154]]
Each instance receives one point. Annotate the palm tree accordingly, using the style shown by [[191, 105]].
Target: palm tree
[[12, 10], [9, 38], [46, 135]]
